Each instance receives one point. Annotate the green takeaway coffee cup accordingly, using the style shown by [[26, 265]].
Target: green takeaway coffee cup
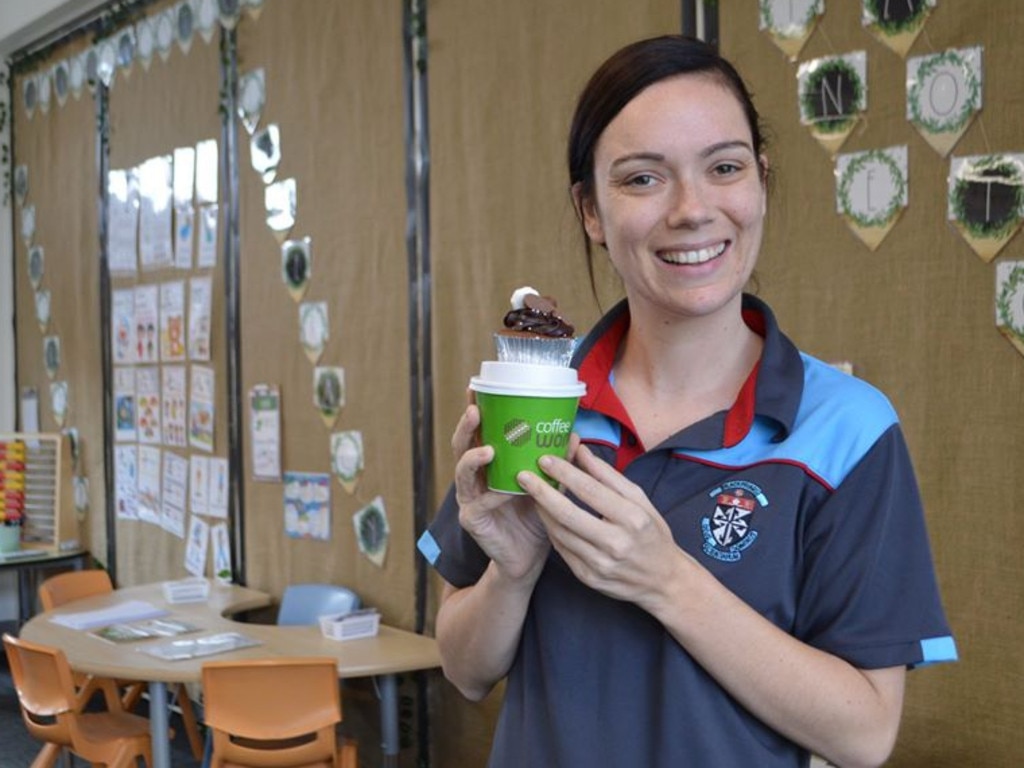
[[526, 411]]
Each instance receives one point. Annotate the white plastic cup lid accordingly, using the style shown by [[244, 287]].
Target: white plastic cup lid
[[501, 378]]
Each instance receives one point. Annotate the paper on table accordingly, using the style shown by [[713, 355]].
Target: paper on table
[[200, 646], [131, 610]]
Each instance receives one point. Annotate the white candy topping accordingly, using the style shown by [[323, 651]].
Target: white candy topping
[[519, 294]]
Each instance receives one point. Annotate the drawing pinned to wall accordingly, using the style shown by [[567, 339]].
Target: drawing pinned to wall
[[147, 318], [265, 151], [145, 41], [61, 81], [871, 191], [986, 200], [75, 446], [174, 492], [314, 328], [126, 474], [347, 458], [201, 408], [944, 93], [307, 505], [80, 485], [59, 402], [200, 307], [76, 74], [297, 266], [199, 484], [221, 553], [29, 95], [28, 224], [280, 202], [252, 95], [91, 58], [126, 50], [265, 421], [206, 235], [173, 400], [51, 355], [122, 222], [172, 321], [184, 235], [125, 429], [217, 496], [1010, 302], [156, 229], [373, 531], [896, 24], [195, 550], [207, 168], [21, 183], [163, 33], [206, 18], [790, 23], [184, 25], [228, 12], [833, 96], [43, 88], [148, 494], [36, 264], [147, 401], [106, 62], [253, 7], [122, 316], [184, 175], [329, 392], [43, 310]]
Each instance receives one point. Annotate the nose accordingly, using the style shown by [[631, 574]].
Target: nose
[[689, 207]]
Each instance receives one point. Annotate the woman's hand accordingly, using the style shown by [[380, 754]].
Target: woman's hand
[[506, 527], [627, 550]]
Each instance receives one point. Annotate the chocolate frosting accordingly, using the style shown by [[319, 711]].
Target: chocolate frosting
[[539, 316]]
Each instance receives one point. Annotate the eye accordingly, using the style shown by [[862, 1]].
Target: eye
[[727, 168], [640, 180]]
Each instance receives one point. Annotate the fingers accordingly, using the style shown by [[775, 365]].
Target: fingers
[[466, 431]]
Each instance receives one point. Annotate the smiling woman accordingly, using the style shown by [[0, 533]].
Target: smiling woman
[[711, 577]]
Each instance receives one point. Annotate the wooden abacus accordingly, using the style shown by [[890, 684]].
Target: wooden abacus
[[35, 479]]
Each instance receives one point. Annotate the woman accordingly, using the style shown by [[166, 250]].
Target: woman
[[735, 571]]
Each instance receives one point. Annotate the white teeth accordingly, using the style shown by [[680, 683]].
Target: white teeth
[[693, 257]]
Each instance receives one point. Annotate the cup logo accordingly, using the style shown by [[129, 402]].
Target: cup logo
[[517, 432]]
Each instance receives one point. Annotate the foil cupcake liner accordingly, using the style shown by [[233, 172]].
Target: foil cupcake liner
[[535, 350]]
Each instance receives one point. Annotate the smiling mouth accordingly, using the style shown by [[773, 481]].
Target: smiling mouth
[[698, 256]]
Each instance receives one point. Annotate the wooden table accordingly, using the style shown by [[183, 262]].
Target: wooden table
[[28, 562], [391, 652]]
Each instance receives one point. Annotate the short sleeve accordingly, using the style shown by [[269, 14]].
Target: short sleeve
[[869, 591], [452, 551]]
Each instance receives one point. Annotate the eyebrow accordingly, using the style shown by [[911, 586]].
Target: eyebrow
[[706, 152]]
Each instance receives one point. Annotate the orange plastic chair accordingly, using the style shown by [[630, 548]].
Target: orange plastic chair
[[275, 712], [75, 585], [52, 711]]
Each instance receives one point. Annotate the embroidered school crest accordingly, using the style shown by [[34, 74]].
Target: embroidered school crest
[[728, 530]]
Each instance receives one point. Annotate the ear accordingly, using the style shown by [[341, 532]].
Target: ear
[[762, 161], [586, 211]]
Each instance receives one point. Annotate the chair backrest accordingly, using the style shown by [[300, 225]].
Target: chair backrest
[[272, 712], [303, 604], [45, 689], [73, 585]]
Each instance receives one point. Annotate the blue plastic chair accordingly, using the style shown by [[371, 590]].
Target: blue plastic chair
[[304, 604]]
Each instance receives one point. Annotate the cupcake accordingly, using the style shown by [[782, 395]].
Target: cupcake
[[534, 331]]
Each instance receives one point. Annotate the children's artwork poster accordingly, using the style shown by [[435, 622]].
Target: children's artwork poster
[[221, 552], [251, 97], [986, 200], [207, 169], [172, 321], [329, 392], [307, 505], [833, 96], [265, 421], [147, 401], [297, 266], [36, 265], [173, 397], [21, 183], [28, 224], [43, 310], [51, 355], [149, 484], [175, 491], [147, 320], [195, 549], [218, 493], [279, 200], [314, 328], [206, 234], [1010, 302], [59, 401], [184, 235], [199, 484], [372, 531], [156, 247], [871, 191], [122, 222], [126, 473], [200, 305], [944, 93], [184, 185], [122, 325], [124, 405], [896, 24], [265, 152], [80, 487], [790, 23], [200, 408], [347, 457]]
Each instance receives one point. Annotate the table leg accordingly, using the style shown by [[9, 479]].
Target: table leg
[[389, 718], [159, 726]]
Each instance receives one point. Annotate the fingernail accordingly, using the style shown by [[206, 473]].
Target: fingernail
[[545, 462]]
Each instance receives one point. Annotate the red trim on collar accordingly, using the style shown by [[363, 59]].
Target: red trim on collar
[[740, 417]]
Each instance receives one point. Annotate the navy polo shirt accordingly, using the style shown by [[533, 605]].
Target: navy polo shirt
[[800, 498]]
